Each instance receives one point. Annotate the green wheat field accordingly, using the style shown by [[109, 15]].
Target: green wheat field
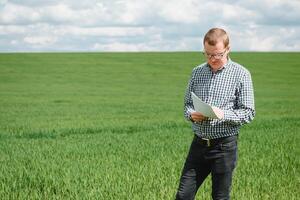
[[110, 126]]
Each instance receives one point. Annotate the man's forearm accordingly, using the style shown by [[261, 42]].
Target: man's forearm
[[239, 116]]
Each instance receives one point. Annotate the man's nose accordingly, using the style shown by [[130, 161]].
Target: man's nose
[[213, 58]]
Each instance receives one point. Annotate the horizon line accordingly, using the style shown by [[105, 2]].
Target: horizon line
[[241, 51]]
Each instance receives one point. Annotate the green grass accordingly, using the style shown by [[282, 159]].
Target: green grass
[[110, 126]]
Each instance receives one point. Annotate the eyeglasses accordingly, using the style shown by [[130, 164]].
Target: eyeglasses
[[217, 56]]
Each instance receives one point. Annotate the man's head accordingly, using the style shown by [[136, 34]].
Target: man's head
[[216, 47]]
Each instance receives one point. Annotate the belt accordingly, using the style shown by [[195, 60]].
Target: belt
[[213, 142]]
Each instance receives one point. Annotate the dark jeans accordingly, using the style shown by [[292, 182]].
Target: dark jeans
[[219, 160]]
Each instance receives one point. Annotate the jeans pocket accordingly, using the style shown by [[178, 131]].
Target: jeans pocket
[[227, 159], [229, 146]]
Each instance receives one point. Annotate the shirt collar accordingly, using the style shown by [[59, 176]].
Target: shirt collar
[[228, 64]]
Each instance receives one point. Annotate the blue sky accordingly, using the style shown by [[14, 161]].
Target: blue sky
[[146, 25]]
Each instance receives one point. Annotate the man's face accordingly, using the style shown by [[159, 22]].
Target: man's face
[[216, 55]]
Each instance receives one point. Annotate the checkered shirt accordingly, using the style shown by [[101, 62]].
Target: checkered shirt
[[230, 89]]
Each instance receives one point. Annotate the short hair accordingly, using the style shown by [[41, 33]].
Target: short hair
[[214, 35]]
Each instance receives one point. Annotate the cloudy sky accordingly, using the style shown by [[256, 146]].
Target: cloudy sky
[[147, 25]]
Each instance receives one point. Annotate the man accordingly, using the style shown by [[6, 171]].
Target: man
[[226, 85]]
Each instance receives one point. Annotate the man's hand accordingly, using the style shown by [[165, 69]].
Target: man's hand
[[198, 117]]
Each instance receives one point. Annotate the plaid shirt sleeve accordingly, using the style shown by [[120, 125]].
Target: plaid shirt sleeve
[[188, 103], [243, 112]]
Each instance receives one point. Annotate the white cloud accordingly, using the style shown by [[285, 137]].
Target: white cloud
[[40, 40], [258, 39], [17, 14], [14, 42], [189, 11], [60, 12], [2, 2], [237, 13], [101, 31], [117, 46], [12, 29], [149, 25], [132, 12]]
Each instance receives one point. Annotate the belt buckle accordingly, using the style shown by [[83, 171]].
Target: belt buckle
[[207, 141]]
